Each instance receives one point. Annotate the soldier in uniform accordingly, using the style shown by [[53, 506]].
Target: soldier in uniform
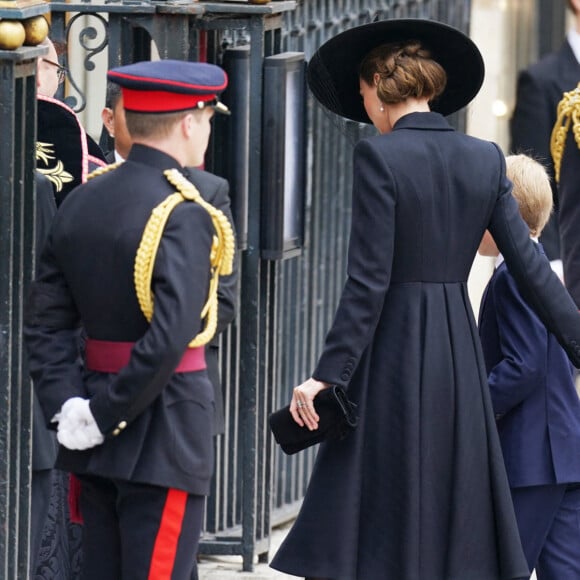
[[565, 150], [113, 116], [134, 258], [539, 89]]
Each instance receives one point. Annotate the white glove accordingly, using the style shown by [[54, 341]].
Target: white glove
[[77, 428]]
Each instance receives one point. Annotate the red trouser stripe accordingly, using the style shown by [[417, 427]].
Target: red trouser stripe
[[167, 539]]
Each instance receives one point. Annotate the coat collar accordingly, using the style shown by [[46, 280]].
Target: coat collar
[[153, 157], [426, 121]]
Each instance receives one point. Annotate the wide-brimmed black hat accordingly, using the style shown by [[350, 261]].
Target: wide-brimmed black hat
[[333, 71]]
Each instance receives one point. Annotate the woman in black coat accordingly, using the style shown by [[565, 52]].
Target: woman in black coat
[[418, 491]]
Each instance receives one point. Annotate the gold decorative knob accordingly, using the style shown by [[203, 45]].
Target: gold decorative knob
[[36, 30], [12, 34]]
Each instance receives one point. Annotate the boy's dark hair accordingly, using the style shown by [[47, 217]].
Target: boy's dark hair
[[113, 95]]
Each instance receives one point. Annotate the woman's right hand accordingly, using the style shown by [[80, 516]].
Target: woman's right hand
[[302, 404]]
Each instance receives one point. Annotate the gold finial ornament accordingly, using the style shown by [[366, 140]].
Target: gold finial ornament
[[568, 115], [12, 34], [35, 29], [221, 254]]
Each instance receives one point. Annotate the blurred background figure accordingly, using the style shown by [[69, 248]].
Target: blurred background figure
[[539, 90], [113, 116], [64, 152], [566, 158]]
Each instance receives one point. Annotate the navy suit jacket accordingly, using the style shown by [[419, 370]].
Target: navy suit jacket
[[44, 445], [217, 193], [532, 389]]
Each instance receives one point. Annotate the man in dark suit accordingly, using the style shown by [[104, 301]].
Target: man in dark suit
[[134, 257], [539, 90], [113, 116], [44, 443], [535, 401]]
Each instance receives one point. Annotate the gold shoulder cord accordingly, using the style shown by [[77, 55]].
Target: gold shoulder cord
[[104, 169], [221, 254], [568, 114]]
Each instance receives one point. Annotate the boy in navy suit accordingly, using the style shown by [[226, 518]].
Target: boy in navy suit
[[534, 398]]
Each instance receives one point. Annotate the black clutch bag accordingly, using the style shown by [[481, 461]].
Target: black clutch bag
[[337, 418]]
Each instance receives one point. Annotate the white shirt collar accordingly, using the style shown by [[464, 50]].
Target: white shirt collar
[[118, 158], [574, 41]]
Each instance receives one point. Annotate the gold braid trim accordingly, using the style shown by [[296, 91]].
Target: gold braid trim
[[221, 254], [568, 113], [104, 169]]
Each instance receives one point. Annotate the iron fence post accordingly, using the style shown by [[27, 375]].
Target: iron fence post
[[17, 202]]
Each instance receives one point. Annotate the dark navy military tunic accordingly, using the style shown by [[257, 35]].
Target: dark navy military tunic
[[164, 420]]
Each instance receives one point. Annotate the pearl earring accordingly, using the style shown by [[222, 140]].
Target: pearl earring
[[382, 109]]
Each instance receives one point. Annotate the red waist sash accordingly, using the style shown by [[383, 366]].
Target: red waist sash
[[106, 356]]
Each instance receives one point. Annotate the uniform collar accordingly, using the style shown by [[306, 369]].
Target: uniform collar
[[153, 157], [427, 121]]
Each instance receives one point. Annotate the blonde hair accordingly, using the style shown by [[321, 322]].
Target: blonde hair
[[405, 70], [531, 190]]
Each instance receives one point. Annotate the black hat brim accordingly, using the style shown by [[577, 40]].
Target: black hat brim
[[333, 70]]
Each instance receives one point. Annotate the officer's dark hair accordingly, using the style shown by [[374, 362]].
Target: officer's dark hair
[[113, 95], [147, 125], [404, 70]]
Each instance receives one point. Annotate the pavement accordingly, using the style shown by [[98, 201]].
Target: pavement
[[230, 567]]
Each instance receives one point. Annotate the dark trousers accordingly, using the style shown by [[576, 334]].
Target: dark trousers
[[135, 531], [40, 493], [548, 519]]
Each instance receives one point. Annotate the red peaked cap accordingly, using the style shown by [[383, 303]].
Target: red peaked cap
[[166, 86]]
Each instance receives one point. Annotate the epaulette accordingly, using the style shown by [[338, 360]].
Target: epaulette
[[221, 253], [105, 169], [568, 114]]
